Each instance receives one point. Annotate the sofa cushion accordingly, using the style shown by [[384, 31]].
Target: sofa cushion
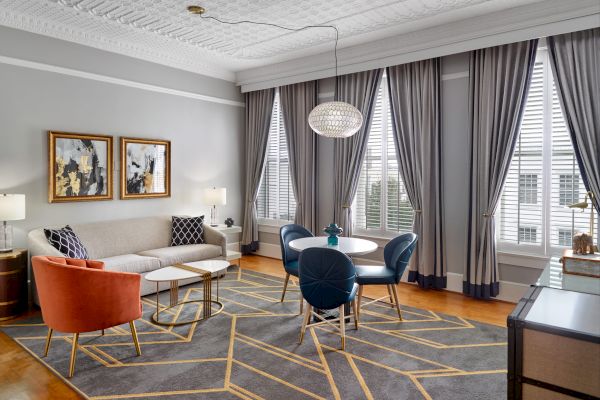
[[187, 230], [182, 254], [67, 242], [130, 263]]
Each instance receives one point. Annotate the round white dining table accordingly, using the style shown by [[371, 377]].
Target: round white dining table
[[347, 245]]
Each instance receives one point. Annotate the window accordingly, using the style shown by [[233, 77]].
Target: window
[[275, 201], [381, 204], [528, 188], [543, 177]]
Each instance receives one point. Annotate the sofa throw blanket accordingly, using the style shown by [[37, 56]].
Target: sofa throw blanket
[[187, 230], [67, 242]]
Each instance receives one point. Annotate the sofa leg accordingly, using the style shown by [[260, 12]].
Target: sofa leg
[[48, 339], [287, 279], [135, 338], [102, 332], [73, 355]]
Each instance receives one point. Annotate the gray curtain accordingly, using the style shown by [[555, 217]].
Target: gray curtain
[[360, 90], [259, 107], [575, 60], [499, 80], [297, 101], [414, 91]]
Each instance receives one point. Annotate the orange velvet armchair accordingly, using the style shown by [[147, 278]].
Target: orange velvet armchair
[[79, 296]]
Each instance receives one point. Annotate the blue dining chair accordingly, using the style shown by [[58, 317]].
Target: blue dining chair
[[396, 255], [289, 256], [327, 281]]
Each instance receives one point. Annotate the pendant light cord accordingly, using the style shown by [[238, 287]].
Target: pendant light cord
[[287, 28]]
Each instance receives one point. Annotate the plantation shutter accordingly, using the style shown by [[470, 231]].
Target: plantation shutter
[[381, 203], [521, 207], [275, 199]]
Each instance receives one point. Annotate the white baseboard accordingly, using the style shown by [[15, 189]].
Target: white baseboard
[[509, 291]]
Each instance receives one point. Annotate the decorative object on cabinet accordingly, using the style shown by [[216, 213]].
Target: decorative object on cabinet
[[333, 231], [79, 167], [229, 222], [584, 264], [12, 208], [214, 197], [583, 242], [145, 168]]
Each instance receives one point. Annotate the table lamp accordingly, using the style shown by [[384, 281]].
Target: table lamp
[[214, 197], [12, 208]]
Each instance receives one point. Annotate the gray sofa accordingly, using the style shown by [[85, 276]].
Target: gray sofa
[[138, 245]]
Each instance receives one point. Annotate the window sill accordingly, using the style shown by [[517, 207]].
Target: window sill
[[535, 261], [271, 225]]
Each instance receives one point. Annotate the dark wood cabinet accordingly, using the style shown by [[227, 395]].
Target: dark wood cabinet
[[13, 283]]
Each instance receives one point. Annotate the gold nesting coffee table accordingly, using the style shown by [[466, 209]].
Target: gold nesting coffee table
[[174, 274]]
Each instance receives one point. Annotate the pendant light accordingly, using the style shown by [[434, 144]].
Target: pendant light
[[332, 119]]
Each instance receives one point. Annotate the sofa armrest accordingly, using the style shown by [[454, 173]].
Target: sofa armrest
[[38, 245], [216, 237]]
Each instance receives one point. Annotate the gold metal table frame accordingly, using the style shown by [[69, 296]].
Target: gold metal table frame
[[207, 300]]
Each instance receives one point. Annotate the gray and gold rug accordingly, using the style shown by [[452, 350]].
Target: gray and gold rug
[[251, 351]]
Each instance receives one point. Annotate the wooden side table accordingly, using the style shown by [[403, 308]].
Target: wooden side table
[[13, 283]]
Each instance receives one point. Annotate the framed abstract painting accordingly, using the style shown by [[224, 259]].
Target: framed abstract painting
[[145, 168], [80, 167]]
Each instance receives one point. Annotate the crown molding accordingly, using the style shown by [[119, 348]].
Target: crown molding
[[48, 28], [116, 81], [512, 25]]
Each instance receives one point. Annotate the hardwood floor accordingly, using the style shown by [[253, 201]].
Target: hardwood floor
[[24, 378]]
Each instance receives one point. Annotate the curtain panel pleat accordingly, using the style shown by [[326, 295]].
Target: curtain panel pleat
[[259, 107], [297, 101], [575, 61], [359, 89], [414, 92], [499, 79]]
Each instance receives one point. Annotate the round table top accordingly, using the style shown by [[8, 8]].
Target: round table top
[[348, 246], [176, 274]]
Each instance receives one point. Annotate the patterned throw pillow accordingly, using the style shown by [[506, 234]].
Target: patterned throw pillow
[[67, 242], [187, 230]]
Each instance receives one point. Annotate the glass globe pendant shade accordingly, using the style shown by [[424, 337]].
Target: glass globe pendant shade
[[335, 119]]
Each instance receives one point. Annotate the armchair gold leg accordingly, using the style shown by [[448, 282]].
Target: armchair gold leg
[[395, 292], [360, 292], [135, 338], [355, 312], [73, 355], [343, 326], [287, 279], [305, 322], [48, 339]]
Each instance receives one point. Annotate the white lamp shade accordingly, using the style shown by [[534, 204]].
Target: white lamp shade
[[12, 207], [215, 196], [335, 119]]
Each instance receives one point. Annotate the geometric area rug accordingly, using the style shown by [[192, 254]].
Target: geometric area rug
[[251, 351]]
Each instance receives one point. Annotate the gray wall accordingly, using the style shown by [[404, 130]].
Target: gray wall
[[455, 131], [205, 137]]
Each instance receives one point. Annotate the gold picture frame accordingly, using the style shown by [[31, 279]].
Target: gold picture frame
[[80, 167], [145, 168]]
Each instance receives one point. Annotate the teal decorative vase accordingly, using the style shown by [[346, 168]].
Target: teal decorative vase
[[333, 231]]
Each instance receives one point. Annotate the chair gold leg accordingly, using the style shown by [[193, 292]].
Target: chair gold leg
[[301, 304], [343, 326], [355, 312], [396, 300], [48, 339], [287, 279], [360, 292], [389, 288], [73, 355], [135, 338], [305, 322]]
